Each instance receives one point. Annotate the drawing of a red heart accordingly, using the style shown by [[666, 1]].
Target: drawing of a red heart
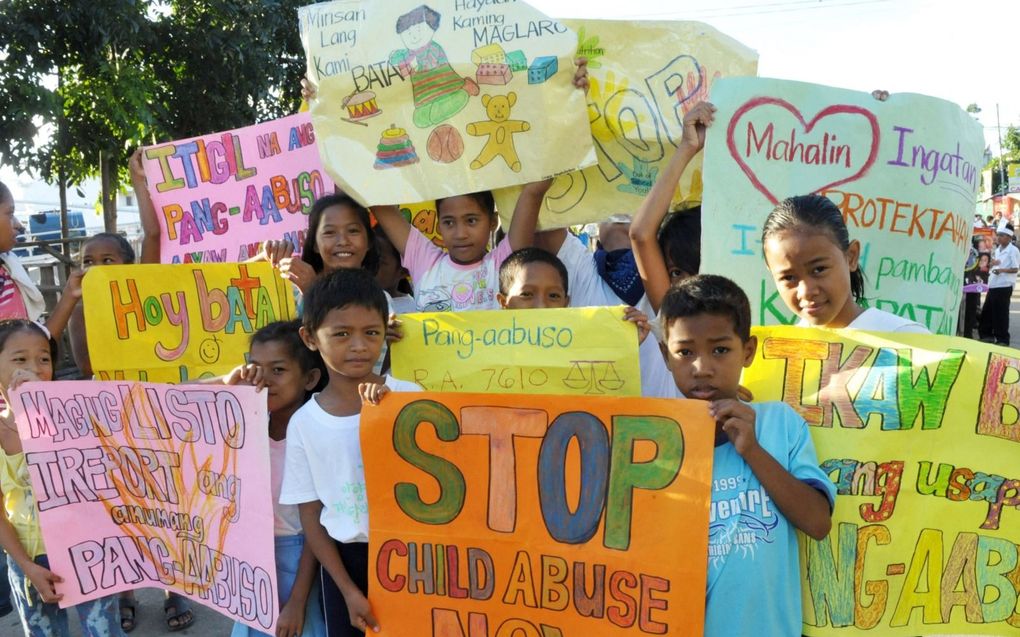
[[836, 109]]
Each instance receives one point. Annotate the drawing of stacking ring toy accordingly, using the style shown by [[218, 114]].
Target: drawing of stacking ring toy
[[395, 149], [361, 106]]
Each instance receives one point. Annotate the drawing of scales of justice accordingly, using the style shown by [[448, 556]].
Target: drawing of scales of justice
[[599, 376]]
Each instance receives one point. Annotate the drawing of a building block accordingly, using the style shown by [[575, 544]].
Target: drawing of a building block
[[489, 54], [542, 69], [517, 61], [493, 74]]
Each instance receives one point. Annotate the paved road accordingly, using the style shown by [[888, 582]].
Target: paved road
[[150, 620]]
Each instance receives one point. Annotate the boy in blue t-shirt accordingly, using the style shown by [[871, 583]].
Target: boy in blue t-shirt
[[766, 482]]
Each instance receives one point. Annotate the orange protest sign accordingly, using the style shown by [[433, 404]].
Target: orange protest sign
[[537, 516]]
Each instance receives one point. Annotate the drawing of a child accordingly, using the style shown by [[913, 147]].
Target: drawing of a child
[[439, 93]]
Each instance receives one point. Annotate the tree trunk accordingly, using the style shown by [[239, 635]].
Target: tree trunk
[[65, 248], [109, 184]]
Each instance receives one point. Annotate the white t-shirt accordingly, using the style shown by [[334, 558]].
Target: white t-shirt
[[656, 379], [402, 305], [286, 519], [875, 320], [324, 463], [440, 285], [1008, 258]]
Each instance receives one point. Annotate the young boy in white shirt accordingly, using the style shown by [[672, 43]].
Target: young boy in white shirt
[[345, 316]]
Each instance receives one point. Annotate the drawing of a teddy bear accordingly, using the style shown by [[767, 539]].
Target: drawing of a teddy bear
[[500, 129]]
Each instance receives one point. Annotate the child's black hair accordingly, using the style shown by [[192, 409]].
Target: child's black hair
[[708, 294], [12, 326], [123, 245], [337, 290], [484, 199], [511, 268], [288, 333], [384, 244], [815, 213], [680, 240], [310, 252], [5, 193], [421, 13]]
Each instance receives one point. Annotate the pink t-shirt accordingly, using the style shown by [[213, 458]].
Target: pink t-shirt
[[12, 306], [440, 285]]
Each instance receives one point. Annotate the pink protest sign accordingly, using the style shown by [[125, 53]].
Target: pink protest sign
[[219, 196], [139, 484]]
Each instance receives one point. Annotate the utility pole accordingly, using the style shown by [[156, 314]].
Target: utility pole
[[1002, 159]]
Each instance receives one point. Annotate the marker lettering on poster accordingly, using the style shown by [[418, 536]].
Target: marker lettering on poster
[[589, 476]]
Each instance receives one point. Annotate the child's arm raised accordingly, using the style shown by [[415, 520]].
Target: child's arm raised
[[644, 229], [146, 211], [394, 225], [803, 505], [61, 314], [324, 549], [525, 219]]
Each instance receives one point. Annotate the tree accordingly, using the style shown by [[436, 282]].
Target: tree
[[82, 84], [1010, 155], [78, 89], [224, 64]]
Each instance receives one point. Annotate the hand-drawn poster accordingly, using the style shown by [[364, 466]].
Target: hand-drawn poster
[[218, 197], [576, 351], [425, 217], [537, 515], [172, 323], [154, 485], [418, 101], [644, 77], [904, 172], [921, 437]]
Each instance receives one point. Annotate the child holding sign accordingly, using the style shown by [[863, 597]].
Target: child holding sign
[[26, 354], [344, 320], [339, 236], [464, 277], [766, 482], [289, 371], [816, 267], [668, 253], [533, 278]]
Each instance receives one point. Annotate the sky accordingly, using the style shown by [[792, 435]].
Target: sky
[[953, 49]]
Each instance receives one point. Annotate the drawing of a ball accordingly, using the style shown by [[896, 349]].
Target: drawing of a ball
[[445, 144]]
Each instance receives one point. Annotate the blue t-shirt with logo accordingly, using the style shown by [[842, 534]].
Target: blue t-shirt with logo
[[753, 567]]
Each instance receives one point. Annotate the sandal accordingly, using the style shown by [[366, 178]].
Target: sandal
[[128, 608], [178, 613]]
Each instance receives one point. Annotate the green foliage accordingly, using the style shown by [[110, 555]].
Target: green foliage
[[1010, 155], [85, 82], [224, 64]]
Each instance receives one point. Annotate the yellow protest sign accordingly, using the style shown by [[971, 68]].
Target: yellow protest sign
[[172, 323], [921, 437], [418, 101], [425, 217], [582, 351], [904, 172], [644, 78], [529, 516]]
